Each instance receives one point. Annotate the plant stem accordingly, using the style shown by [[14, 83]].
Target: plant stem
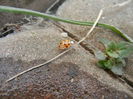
[[55, 18]]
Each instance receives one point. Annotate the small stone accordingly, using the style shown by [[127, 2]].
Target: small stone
[[64, 34], [72, 80]]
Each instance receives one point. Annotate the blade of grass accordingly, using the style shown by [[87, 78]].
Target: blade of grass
[[55, 18]]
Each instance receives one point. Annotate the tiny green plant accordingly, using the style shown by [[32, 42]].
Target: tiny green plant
[[114, 56]]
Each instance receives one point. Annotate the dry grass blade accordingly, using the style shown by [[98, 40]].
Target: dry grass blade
[[37, 66], [40, 65], [94, 25]]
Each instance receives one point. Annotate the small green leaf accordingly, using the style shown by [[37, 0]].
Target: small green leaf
[[125, 52], [106, 64], [109, 64], [112, 46], [100, 55], [118, 67], [120, 49], [122, 45], [105, 42], [120, 62], [112, 49], [117, 70], [101, 64], [112, 54]]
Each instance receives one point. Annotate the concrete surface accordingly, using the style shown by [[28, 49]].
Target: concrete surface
[[72, 76], [23, 50]]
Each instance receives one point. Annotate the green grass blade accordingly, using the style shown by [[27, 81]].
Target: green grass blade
[[55, 18]]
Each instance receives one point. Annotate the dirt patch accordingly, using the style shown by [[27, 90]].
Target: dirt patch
[[53, 81]]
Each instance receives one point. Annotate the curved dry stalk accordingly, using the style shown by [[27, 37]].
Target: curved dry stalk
[[94, 25], [37, 66], [40, 65], [92, 28], [48, 10], [121, 4]]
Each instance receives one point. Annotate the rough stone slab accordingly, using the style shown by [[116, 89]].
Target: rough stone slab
[[22, 50]]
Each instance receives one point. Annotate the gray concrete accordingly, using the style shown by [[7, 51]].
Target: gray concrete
[[23, 50], [75, 73], [87, 10]]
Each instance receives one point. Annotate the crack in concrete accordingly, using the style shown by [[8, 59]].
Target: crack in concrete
[[84, 44], [91, 49]]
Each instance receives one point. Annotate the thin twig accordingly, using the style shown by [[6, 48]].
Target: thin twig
[[94, 25], [6, 31], [40, 65], [47, 11], [121, 4], [37, 66]]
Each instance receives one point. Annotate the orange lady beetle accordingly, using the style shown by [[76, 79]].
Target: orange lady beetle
[[65, 44]]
